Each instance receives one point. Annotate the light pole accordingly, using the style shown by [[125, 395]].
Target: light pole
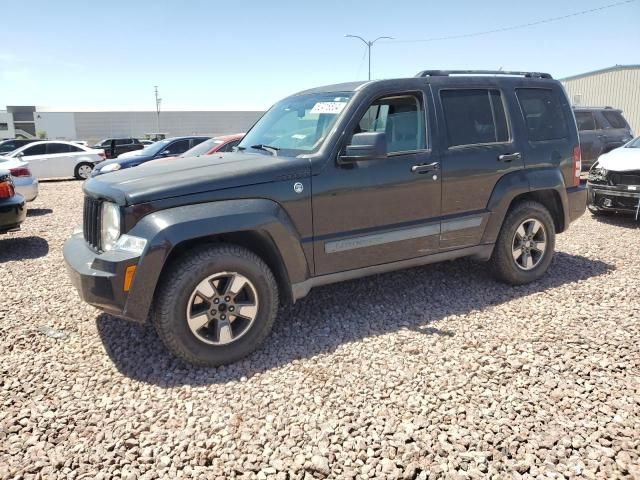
[[158, 101], [369, 44]]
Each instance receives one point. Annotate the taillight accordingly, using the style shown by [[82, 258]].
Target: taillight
[[577, 165], [20, 172], [102, 155], [6, 189]]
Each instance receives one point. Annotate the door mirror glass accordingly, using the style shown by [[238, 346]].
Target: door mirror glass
[[366, 146], [166, 153], [19, 154]]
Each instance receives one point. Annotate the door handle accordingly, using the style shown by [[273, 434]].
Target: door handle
[[509, 157], [425, 168]]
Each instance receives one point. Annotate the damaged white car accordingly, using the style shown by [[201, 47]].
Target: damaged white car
[[614, 181]]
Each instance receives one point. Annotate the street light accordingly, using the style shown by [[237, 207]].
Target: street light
[[369, 44]]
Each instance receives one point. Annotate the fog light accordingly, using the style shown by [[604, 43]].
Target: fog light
[[607, 203]]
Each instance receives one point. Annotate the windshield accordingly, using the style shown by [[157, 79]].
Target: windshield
[[202, 148], [298, 124], [153, 148], [634, 143]]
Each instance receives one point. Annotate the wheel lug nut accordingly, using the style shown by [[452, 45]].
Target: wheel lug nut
[[223, 317], [231, 309], [216, 300], [226, 299]]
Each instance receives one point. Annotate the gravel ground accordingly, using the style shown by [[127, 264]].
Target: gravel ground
[[436, 372]]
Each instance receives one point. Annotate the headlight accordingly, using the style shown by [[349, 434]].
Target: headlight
[[110, 228], [112, 167], [597, 174]]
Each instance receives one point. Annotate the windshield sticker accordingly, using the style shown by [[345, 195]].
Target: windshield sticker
[[333, 108], [299, 136]]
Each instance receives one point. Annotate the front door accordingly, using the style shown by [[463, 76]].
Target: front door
[[380, 211]]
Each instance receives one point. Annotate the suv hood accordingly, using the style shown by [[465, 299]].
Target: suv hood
[[621, 160], [158, 180]]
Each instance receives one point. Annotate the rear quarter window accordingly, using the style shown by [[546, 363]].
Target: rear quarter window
[[543, 114], [615, 119]]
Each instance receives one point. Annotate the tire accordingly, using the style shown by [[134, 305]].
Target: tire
[[504, 265], [183, 298], [80, 170]]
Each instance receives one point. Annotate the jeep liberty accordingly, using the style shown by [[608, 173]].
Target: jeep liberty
[[331, 184]]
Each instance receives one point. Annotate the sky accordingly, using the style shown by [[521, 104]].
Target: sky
[[247, 54]]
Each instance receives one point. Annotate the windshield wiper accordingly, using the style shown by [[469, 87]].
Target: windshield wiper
[[266, 148]]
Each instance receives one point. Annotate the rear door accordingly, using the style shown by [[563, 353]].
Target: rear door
[[478, 148], [36, 156]]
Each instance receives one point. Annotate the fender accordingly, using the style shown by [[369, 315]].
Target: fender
[[518, 183], [165, 229]]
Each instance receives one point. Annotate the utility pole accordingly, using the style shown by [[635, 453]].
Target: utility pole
[[369, 44], [158, 101]]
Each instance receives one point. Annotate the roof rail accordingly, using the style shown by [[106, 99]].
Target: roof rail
[[446, 73]]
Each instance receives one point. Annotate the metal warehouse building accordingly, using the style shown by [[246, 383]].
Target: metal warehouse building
[[617, 87], [96, 125]]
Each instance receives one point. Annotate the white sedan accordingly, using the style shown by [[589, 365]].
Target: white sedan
[[23, 180], [56, 158]]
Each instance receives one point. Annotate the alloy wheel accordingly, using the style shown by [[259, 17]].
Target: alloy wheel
[[84, 171], [529, 244], [222, 308]]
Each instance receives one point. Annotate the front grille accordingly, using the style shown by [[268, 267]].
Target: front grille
[[626, 178], [91, 221]]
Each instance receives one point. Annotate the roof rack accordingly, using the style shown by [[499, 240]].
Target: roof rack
[[446, 73]]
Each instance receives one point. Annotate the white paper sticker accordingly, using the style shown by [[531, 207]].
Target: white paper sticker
[[631, 187], [298, 136], [328, 107]]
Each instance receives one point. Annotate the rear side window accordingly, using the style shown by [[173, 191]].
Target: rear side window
[[53, 148], [585, 121], [474, 116], [615, 119], [123, 141], [543, 114]]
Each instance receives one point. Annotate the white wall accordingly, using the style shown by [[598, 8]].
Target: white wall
[[6, 117], [58, 125]]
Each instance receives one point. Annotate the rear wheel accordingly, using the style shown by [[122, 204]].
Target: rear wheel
[[215, 305], [525, 245], [83, 171]]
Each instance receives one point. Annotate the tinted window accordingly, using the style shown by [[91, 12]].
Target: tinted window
[[53, 148], [178, 147], [197, 141], [35, 150], [542, 110], [474, 117], [585, 121], [615, 119], [401, 118], [73, 148], [123, 141], [7, 147]]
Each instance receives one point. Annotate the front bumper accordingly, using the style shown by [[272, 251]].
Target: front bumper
[[12, 213], [577, 202], [613, 198], [99, 278]]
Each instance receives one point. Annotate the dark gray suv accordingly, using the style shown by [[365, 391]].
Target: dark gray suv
[[601, 129]]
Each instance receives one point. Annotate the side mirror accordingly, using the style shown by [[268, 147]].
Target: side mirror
[[166, 153], [19, 154], [365, 146]]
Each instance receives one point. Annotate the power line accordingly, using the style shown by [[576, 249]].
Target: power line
[[515, 27]]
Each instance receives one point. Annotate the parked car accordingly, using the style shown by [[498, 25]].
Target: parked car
[[171, 147], [601, 130], [12, 205], [24, 181], [7, 146], [221, 144], [55, 158], [331, 184], [117, 146], [614, 181]]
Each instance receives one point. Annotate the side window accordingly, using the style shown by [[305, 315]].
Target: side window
[[585, 121], [7, 147], [197, 141], [401, 117], [474, 116], [615, 119], [73, 148], [53, 148], [35, 150], [229, 146], [543, 114], [123, 141], [106, 143], [178, 147]]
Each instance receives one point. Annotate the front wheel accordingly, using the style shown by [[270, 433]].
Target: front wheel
[[525, 245], [83, 171], [215, 304]]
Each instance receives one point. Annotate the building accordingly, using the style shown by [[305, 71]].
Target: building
[[92, 126], [617, 87]]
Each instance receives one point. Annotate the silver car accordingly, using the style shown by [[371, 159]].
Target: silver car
[[24, 181]]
